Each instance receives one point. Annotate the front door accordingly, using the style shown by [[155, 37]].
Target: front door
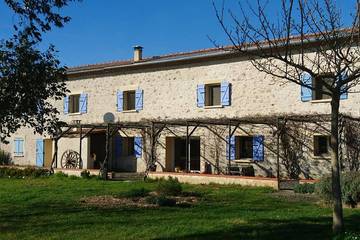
[[39, 152]]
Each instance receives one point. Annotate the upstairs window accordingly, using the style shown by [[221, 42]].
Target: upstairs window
[[313, 89], [74, 102], [212, 95], [321, 145], [320, 88], [129, 100]]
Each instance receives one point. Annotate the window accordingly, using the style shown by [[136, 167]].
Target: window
[[244, 147], [212, 95], [321, 145], [74, 103], [319, 85], [129, 100], [18, 147]]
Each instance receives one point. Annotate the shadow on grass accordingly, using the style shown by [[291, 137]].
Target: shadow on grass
[[300, 229]]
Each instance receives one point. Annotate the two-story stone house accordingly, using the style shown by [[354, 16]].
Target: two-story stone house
[[198, 99]]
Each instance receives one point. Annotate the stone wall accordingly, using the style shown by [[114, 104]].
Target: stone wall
[[170, 93]]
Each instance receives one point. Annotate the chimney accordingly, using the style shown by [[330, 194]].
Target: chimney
[[138, 53]]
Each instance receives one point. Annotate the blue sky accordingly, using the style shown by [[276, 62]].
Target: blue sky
[[106, 30]]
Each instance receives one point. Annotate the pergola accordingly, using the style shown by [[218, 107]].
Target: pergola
[[155, 127]]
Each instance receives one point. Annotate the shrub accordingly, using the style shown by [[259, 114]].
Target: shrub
[[163, 201], [348, 236], [169, 187], [350, 188], [74, 177], [137, 193], [60, 175], [12, 172], [5, 158], [85, 174], [304, 188]]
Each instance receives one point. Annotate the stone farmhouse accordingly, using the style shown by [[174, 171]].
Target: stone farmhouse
[[206, 111]]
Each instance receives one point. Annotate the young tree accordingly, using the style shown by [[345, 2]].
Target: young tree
[[29, 77], [307, 41]]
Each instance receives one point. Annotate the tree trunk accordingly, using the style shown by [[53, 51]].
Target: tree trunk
[[338, 223]]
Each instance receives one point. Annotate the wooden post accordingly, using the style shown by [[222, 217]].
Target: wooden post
[[107, 149], [80, 145], [187, 148], [229, 149], [54, 159], [152, 150], [278, 152]]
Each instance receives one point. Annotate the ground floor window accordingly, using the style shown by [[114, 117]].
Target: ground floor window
[[18, 147], [244, 147], [321, 145]]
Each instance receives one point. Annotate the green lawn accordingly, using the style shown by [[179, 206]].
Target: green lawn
[[49, 208]]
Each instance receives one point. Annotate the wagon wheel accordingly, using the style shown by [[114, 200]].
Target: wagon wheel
[[71, 159]]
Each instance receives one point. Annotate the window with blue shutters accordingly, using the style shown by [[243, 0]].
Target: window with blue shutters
[[18, 147], [225, 93], [306, 91], [76, 103], [230, 143], [130, 100], [258, 148], [214, 94], [138, 146]]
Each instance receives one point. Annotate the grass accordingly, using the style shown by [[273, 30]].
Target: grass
[[49, 208]]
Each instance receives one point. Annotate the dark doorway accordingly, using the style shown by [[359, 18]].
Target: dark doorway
[[97, 149], [180, 154]]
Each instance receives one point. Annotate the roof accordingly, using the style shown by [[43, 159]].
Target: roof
[[180, 57], [196, 54]]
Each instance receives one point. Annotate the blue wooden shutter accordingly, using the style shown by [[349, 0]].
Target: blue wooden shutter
[[120, 101], [258, 148], [138, 146], [201, 95], [83, 103], [66, 104], [17, 146], [118, 146], [344, 95], [225, 93], [39, 152], [306, 93], [139, 99], [230, 143], [21, 146]]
